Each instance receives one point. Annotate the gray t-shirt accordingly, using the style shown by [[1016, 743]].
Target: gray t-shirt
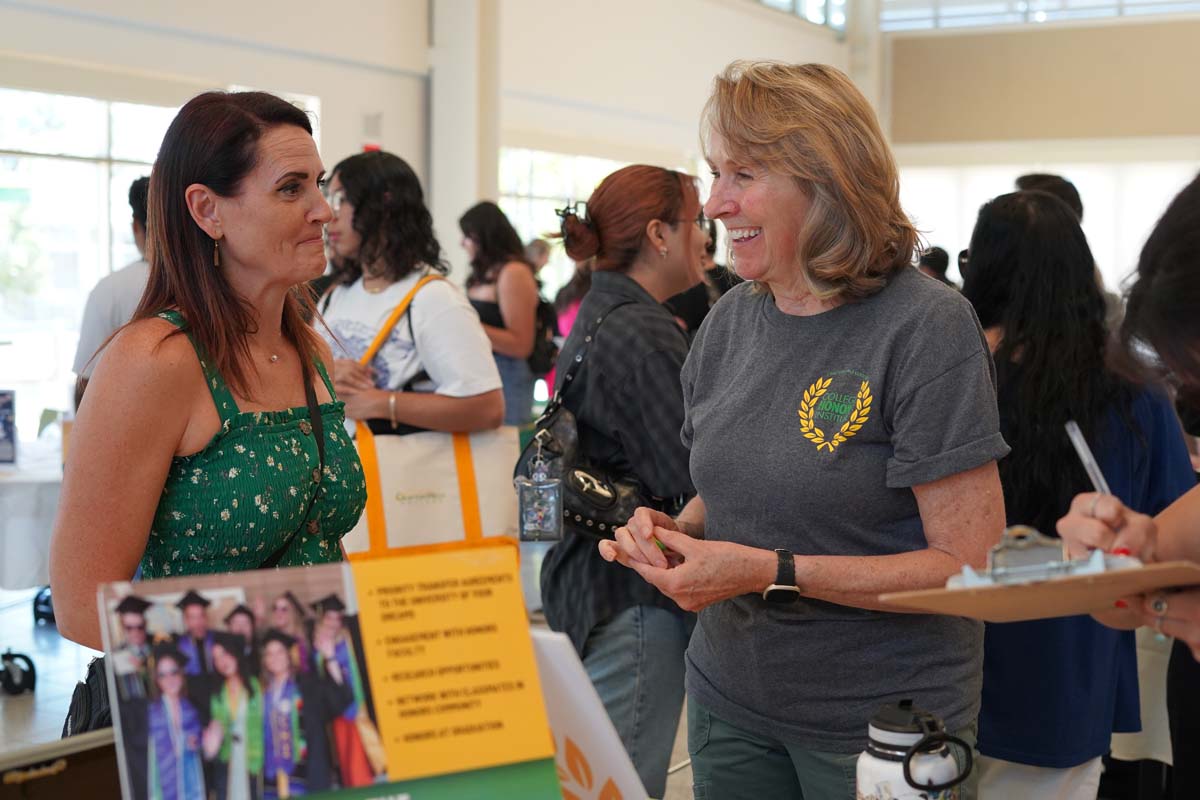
[[808, 433]]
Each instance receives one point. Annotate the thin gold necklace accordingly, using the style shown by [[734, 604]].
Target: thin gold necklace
[[366, 277]]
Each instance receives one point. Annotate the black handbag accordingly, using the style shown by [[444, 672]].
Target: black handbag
[[90, 707], [595, 500]]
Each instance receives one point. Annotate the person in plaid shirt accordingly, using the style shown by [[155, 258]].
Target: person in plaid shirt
[[645, 231]]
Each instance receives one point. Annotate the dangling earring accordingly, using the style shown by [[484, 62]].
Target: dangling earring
[[216, 253], [663, 252]]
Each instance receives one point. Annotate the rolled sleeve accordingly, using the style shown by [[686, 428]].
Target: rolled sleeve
[[947, 425]]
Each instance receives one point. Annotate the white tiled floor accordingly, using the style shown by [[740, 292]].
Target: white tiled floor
[[37, 717]]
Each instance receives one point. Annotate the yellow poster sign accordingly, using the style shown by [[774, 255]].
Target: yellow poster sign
[[450, 662]]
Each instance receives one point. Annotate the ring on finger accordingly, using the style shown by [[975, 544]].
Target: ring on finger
[[1159, 606]]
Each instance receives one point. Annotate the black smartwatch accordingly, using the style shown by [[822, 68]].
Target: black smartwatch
[[784, 589]]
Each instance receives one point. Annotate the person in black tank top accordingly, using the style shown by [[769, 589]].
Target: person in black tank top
[[504, 291]]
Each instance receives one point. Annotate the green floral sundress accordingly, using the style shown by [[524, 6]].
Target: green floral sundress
[[229, 506]]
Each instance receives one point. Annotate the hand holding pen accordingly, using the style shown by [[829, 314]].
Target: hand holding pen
[[1097, 520]]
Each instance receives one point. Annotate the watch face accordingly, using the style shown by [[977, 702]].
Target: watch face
[[782, 594]]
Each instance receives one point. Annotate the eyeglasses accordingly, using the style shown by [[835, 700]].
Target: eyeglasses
[[168, 673], [700, 221], [335, 201]]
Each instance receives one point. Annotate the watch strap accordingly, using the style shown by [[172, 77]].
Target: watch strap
[[785, 572]]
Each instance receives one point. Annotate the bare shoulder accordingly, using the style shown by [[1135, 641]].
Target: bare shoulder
[[517, 271], [153, 353], [517, 276]]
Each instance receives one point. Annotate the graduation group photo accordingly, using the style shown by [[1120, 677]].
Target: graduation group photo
[[229, 691]]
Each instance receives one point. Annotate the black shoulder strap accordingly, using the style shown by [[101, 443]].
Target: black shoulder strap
[[318, 429], [577, 362]]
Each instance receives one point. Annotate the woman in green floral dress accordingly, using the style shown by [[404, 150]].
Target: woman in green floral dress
[[197, 453]]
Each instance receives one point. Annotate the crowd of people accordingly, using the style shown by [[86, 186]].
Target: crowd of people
[[272, 705], [813, 427]]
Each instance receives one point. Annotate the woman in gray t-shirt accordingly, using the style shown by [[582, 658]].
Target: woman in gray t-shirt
[[841, 415]]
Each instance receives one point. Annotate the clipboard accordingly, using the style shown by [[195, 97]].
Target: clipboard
[[1027, 579]]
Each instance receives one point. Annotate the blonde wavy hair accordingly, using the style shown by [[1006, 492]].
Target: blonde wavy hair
[[810, 122]]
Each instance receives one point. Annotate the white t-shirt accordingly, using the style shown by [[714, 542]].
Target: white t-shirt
[[110, 305], [445, 339]]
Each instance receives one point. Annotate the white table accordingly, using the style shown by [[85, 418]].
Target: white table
[[28, 500]]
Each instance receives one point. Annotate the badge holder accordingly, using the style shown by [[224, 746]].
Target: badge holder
[[539, 502]]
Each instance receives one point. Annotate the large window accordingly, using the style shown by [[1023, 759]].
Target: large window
[[65, 168], [533, 184], [1121, 203], [819, 12], [900, 15]]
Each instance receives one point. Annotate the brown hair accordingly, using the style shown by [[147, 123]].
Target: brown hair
[[619, 210], [810, 122], [213, 141]]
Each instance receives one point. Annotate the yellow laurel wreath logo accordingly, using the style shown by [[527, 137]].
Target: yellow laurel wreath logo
[[853, 424]]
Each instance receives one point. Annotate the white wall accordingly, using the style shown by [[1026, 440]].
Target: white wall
[[626, 79], [366, 66]]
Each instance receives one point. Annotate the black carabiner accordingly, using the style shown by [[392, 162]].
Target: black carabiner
[[929, 744]]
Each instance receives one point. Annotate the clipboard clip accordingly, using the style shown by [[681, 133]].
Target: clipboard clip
[[1026, 555]]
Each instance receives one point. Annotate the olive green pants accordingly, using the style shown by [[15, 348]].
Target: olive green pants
[[729, 763]]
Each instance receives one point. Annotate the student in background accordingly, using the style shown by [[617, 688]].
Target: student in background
[[297, 709], [934, 262], [1161, 314], [435, 369], [641, 230], [537, 253], [503, 288], [196, 641], [113, 300], [1064, 190], [241, 622], [233, 739], [288, 617], [174, 770], [1030, 278], [355, 739]]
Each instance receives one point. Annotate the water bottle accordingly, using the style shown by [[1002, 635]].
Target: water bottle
[[910, 756]]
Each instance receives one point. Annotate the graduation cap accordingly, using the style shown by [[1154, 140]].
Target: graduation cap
[[240, 608], [193, 598], [132, 604], [169, 650], [232, 643], [276, 635], [330, 603]]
